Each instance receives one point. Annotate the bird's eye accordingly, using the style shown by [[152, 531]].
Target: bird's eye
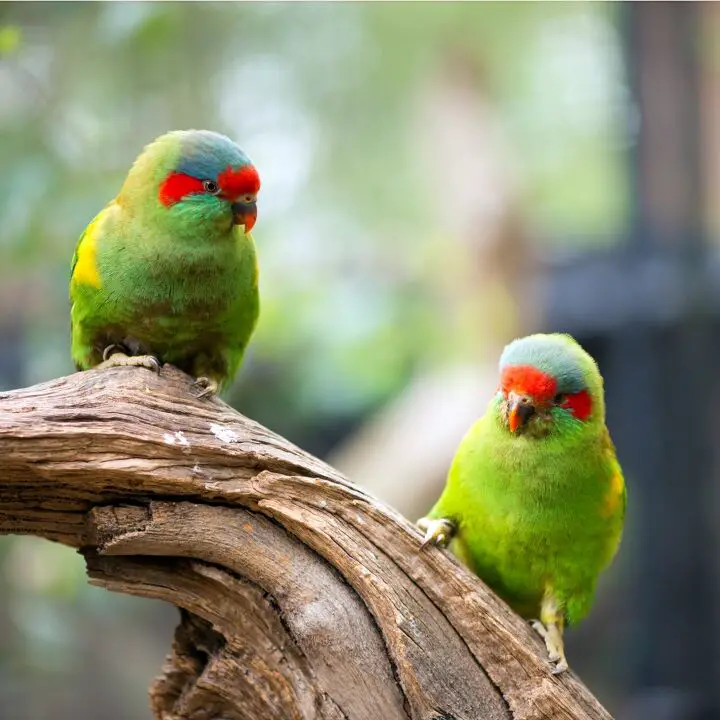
[[559, 399], [211, 187]]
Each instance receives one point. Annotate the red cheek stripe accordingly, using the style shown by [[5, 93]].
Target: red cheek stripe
[[580, 404], [235, 183], [176, 186]]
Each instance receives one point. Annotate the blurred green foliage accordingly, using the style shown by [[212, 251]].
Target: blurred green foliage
[[10, 38], [323, 99]]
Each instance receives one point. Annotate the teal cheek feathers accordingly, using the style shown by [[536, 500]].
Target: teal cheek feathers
[[201, 210]]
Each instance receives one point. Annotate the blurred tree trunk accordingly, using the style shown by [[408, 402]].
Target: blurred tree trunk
[[483, 274], [300, 595]]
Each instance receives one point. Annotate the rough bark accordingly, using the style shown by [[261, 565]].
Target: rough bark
[[301, 596]]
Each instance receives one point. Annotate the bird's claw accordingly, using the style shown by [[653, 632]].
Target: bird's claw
[[121, 359], [437, 532], [109, 350], [210, 387], [554, 644]]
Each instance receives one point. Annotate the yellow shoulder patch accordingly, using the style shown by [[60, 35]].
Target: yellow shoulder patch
[[85, 270], [615, 495]]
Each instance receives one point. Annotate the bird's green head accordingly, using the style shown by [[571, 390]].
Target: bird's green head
[[548, 384], [193, 180]]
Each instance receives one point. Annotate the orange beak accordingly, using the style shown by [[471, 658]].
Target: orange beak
[[245, 214], [514, 418], [520, 410]]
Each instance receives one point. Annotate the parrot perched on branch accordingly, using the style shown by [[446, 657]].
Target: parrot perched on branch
[[167, 271], [535, 498]]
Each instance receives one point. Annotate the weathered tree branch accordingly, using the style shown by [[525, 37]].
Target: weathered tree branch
[[301, 596]]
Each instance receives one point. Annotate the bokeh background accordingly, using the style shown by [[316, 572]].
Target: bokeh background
[[438, 178]]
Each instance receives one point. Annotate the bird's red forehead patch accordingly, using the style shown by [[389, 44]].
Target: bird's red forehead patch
[[235, 183], [527, 380]]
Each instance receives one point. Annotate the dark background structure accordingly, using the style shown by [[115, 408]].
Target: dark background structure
[[648, 311], [438, 178]]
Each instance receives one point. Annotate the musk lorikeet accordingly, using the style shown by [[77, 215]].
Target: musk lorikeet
[[167, 271], [535, 498]]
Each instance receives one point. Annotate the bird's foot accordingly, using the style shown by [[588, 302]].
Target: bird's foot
[[113, 356], [539, 628], [554, 644], [209, 387], [437, 531]]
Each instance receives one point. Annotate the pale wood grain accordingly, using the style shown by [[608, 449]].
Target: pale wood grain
[[301, 595]]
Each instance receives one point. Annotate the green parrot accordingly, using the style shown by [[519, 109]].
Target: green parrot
[[535, 498], [167, 271]]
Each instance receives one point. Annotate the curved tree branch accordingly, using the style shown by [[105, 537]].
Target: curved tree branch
[[301, 596]]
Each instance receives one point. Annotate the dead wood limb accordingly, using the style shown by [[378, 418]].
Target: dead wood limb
[[301, 596]]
